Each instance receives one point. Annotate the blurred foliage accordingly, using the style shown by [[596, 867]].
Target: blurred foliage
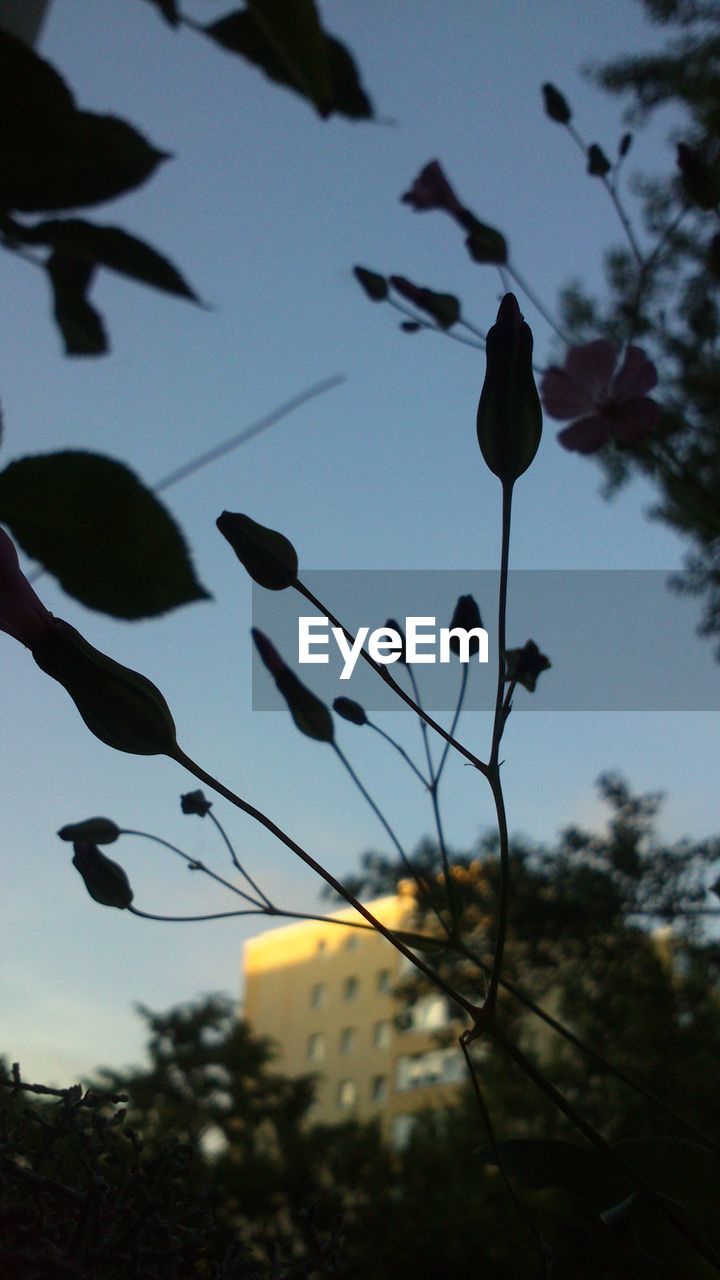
[[668, 302]]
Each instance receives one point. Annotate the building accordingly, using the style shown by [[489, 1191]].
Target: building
[[325, 992]]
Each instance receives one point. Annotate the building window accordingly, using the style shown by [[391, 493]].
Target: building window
[[321, 946], [381, 1035], [428, 1014], [352, 942], [346, 1094], [347, 1039], [402, 1127], [379, 1088], [350, 988], [316, 1047], [383, 980], [437, 1066], [317, 995]]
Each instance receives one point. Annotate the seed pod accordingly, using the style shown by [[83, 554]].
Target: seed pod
[[350, 710], [105, 880], [96, 830], [509, 417], [121, 707], [269, 557]]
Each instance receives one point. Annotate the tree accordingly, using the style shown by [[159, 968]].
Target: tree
[[668, 300]]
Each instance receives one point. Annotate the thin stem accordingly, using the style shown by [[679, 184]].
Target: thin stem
[[194, 863], [198, 772], [235, 862], [494, 769], [388, 679], [537, 302], [249, 433], [445, 861], [661, 1203], [456, 717], [401, 750], [435, 328], [420, 884], [522, 1212], [214, 915]]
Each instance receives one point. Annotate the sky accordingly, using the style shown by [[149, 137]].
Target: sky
[[266, 208]]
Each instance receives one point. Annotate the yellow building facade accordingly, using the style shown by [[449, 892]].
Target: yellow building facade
[[325, 993]]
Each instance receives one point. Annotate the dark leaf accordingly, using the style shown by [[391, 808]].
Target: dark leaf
[[598, 163], [168, 9], [285, 39], [53, 156], [374, 285], [94, 525], [96, 830], [80, 324], [410, 326], [113, 248], [625, 144]]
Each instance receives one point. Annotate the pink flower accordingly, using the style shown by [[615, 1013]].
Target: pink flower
[[431, 190], [605, 404], [22, 614]]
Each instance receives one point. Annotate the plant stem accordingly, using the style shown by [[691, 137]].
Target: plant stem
[[235, 862], [194, 863], [388, 679], [421, 886], [198, 772], [388, 738]]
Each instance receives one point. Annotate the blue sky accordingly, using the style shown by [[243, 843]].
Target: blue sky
[[265, 209]]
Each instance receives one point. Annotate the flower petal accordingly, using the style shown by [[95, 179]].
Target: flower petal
[[22, 614], [634, 419], [431, 190], [591, 366], [561, 397], [636, 376], [587, 435]]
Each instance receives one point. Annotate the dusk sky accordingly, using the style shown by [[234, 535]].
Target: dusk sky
[[265, 209]]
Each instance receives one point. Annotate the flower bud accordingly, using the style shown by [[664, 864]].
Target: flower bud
[[195, 802], [269, 557], [372, 282], [121, 707], [525, 665], [95, 830], [310, 714], [598, 164], [466, 617], [509, 417], [105, 880], [350, 710], [556, 105]]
